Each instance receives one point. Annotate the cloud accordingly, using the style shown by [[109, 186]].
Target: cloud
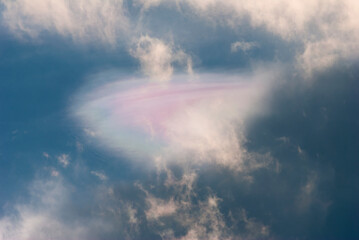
[[243, 46], [89, 132], [300, 150], [322, 32], [64, 160], [55, 210], [255, 229], [83, 20], [54, 173], [100, 175], [183, 210], [157, 58], [201, 121], [95, 21], [200, 219], [283, 139], [160, 208], [40, 219]]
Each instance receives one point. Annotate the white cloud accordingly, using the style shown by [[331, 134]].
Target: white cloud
[[300, 150], [157, 58], [160, 208], [81, 20], [39, 219], [309, 195], [255, 229], [100, 175], [323, 31], [50, 212], [243, 46], [45, 154], [200, 218], [193, 122], [64, 160], [89, 132], [54, 173], [132, 215], [284, 139]]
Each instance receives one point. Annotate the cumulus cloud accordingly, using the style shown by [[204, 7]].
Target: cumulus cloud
[[157, 58], [81, 20]]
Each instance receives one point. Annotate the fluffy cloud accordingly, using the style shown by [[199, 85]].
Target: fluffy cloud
[[81, 20], [40, 219], [323, 31], [53, 211], [200, 121], [157, 58]]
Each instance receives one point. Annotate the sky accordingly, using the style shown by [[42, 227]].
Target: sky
[[179, 119]]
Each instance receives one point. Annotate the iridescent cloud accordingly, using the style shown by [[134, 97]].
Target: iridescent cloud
[[202, 115]]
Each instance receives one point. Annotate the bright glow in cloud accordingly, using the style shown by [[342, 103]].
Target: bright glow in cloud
[[203, 118]]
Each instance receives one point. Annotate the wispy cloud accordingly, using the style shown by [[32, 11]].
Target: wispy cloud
[[87, 21], [204, 119], [322, 32], [64, 160], [40, 218], [157, 58], [243, 46], [100, 175]]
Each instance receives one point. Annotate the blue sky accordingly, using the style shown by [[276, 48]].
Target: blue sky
[[177, 119]]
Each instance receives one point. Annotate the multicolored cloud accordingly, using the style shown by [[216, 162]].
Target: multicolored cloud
[[202, 115]]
